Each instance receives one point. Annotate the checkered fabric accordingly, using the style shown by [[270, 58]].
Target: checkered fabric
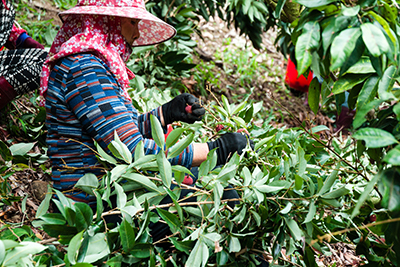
[[22, 68], [6, 22]]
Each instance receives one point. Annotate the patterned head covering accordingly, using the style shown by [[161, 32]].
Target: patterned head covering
[[7, 16], [94, 26], [152, 29]]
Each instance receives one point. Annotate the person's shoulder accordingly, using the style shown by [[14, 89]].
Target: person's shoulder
[[83, 59]]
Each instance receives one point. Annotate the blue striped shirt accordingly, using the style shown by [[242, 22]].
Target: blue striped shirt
[[85, 103]]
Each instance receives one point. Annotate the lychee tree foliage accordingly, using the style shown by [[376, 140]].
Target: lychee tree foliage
[[297, 192], [353, 47]]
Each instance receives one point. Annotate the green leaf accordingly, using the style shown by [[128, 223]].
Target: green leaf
[[54, 230], [5, 152], [368, 92], [226, 104], [393, 156], [104, 156], [331, 26], [336, 193], [396, 110], [127, 235], [164, 167], [143, 161], [84, 215], [374, 39], [118, 148], [139, 151], [184, 246], [239, 107], [287, 209], [298, 184], [302, 161], [171, 219], [174, 136], [314, 3], [329, 182], [362, 66], [309, 258], [294, 228], [221, 111], [268, 188], [143, 180], [359, 119], [234, 244], [88, 183], [227, 173], [262, 142], [389, 185], [375, 137], [74, 246], [347, 82], [177, 149], [117, 172], [21, 149], [319, 128], [142, 250], [121, 196], [386, 27], [24, 248], [157, 131], [44, 205], [343, 46], [386, 83], [314, 92], [307, 42], [199, 255], [2, 252], [367, 191], [311, 212], [350, 11]]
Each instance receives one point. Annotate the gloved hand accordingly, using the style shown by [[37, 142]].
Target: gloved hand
[[25, 41], [184, 107], [228, 144]]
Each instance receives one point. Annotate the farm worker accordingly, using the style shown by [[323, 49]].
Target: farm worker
[[299, 84], [295, 82], [85, 85], [20, 66]]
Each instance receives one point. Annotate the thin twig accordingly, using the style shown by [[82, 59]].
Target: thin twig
[[212, 94], [165, 238], [108, 213], [169, 8], [328, 236], [48, 241]]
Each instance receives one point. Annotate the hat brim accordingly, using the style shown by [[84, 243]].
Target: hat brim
[[152, 29]]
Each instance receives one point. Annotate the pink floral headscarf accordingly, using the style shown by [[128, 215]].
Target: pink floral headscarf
[[100, 35]]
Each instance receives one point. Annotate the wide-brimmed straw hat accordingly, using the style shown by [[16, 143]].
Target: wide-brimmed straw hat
[[152, 29]]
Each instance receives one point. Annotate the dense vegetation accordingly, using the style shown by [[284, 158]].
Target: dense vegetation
[[299, 192]]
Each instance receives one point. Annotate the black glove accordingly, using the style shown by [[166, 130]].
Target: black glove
[[184, 107], [228, 144]]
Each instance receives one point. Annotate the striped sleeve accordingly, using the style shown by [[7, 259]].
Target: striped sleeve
[[144, 122], [95, 98]]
